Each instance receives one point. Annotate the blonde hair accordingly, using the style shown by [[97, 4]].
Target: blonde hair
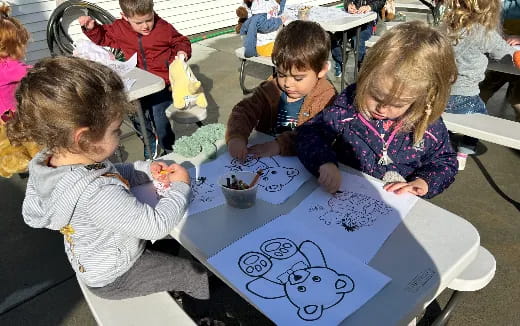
[[417, 60], [61, 94], [13, 35], [136, 7], [463, 14]]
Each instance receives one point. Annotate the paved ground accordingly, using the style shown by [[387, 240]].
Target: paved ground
[[38, 286]]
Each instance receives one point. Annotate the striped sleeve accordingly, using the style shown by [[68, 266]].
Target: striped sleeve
[[113, 207]]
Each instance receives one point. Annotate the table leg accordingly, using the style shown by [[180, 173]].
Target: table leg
[[140, 116], [445, 315], [344, 59], [356, 52]]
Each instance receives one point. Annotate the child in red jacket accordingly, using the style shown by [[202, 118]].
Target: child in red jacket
[[157, 43]]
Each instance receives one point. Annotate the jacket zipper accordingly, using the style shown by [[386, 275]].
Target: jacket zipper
[[141, 49]]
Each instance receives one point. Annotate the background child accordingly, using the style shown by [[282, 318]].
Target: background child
[[13, 42], [265, 19], [298, 91], [355, 7], [472, 26], [388, 125], [157, 43], [495, 79], [74, 108]]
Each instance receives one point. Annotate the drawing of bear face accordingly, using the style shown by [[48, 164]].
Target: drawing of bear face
[[275, 178], [298, 273], [315, 289]]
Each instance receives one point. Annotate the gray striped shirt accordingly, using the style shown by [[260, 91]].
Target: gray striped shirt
[[110, 224]]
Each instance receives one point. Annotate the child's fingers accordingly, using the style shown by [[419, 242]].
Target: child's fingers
[[393, 187]]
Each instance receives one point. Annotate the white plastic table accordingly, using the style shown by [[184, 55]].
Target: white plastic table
[[422, 256], [344, 25], [146, 83]]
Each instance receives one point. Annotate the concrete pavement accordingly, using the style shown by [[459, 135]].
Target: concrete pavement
[[39, 287]]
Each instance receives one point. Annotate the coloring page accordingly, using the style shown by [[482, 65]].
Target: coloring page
[[362, 215], [296, 277], [319, 13], [205, 193], [282, 176], [205, 190]]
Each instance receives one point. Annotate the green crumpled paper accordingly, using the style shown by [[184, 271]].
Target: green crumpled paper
[[201, 141]]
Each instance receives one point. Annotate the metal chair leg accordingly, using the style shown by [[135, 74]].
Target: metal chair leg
[[445, 315], [242, 78]]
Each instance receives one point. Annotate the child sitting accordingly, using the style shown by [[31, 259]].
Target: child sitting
[[265, 19], [297, 93], [74, 108], [13, 42], [388, 125], [473, 28], [156, 43]]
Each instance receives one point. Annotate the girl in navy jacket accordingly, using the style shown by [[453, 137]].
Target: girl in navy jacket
[[388, 125]]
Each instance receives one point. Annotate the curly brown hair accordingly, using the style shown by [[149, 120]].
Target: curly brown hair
[[61, 94], [13, 35], [301, 45], [411, 58], [464, 14]]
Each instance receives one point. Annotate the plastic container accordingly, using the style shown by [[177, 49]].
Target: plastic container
[[239, 198]]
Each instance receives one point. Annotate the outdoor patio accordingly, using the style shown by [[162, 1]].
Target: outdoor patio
[[40, 288]]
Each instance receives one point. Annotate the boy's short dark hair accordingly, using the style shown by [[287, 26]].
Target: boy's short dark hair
[[302, 45], [136, 7]]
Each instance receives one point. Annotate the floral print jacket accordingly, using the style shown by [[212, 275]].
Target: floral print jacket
[[339, 134]]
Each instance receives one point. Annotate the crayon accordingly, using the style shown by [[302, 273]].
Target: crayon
[[257, 176]]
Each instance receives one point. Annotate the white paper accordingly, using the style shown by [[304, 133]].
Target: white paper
[[319, 13], [206, 192], [89, 50], [122, 68], [282, 175], [129, 82], [296, 277], [361, 217]]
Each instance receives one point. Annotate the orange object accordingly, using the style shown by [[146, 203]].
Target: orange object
[[516, 59], [257, 176], [164, 172]]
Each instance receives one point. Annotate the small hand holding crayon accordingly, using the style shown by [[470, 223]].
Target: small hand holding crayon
[[164, 174]]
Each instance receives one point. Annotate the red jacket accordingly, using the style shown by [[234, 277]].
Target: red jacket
[[155, 51]]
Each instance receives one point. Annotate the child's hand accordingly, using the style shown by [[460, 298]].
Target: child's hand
[[418, 187], [178, 173], [284, 19], [271, 148], [330, 177], [237, 148], [159, 171], [87, 22], [351, 9], [513, 40], [364, 9], [182, 55]]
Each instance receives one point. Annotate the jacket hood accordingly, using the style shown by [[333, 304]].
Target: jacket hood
[[53, 193]]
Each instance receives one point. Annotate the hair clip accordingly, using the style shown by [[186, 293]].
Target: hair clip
[[428, 110]]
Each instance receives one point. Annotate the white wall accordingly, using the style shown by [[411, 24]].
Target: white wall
[[188, 16]]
